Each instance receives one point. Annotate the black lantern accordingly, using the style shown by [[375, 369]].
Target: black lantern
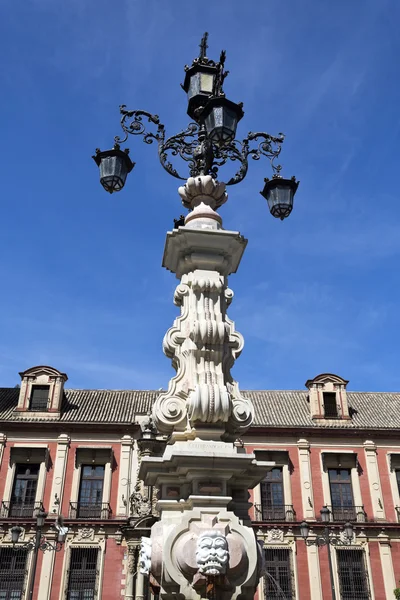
[[325, 514], [279, 193], [221, 117], [114, 166], [199, 86], [15, 533], [304, 530], [41, 516], [349, 530]]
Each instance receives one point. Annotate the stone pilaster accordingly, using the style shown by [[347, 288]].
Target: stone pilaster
[[387, 564], [124, 484], [59, 473], [306, 479], [374, 480]]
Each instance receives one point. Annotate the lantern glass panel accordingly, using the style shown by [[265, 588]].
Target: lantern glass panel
[[221, 125], [207, 82], [280, 200], [113, 172]]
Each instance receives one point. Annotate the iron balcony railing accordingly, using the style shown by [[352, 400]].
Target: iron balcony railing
[[22, 510], [89, 510], [284, 512], [354, 514]]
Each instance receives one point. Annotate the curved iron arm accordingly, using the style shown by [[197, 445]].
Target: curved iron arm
[[326, 540], [44, 546], [193, 146]]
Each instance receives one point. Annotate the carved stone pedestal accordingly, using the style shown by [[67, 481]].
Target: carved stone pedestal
[[203, 545]]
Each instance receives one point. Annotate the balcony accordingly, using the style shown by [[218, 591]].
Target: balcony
[[19, 510], [354, 514], [89, 510], [279, 513]]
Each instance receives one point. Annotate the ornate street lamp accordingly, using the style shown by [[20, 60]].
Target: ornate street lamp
[[40, 543], [327, 539], [207, 144]]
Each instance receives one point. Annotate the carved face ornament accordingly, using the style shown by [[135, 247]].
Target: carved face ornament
[[212, 554]]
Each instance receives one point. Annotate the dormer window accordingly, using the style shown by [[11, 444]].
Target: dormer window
[[328, 397], [330, 405], [39, 398], [41, 391]]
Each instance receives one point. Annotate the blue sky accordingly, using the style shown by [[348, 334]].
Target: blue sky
[[82, 285]]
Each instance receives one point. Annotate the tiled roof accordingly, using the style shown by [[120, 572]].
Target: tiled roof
[[370, 410]]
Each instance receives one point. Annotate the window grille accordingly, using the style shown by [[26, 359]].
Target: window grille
[[13, 573], [353, 575], [39, 397], [91, 491], [330, 405], [279, 575], [24, 491], [83, 574]]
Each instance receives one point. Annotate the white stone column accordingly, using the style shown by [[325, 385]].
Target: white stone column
[[60, 467], [131, 569], [387, 564], [306, 479], [374, 480], [124, 484], [140, 584]]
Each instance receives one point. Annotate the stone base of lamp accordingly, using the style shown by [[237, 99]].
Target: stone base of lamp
[[203, 487]]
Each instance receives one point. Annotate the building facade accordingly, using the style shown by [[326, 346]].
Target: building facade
[[76, 453]]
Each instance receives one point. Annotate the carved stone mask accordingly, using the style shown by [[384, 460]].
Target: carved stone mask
[[212, 554]]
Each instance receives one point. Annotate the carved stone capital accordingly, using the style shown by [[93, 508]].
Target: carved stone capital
[[202, 189]]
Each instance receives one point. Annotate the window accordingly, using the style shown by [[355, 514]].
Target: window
[[24, 490], [91, 491], [353, 577], [330, 405], [343, 508], [272, 498], [398, 479], [83, 574], [278, 578], [12, 573], [39, 397]]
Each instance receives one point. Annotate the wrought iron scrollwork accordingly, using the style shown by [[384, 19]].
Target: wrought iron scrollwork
[[193, 146]]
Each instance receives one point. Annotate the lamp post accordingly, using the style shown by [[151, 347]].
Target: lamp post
[[326, 539], [207, 143], [40, 543], [205, 477]]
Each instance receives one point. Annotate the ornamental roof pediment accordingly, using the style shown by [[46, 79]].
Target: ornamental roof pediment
[[43, 370], [324, 378]]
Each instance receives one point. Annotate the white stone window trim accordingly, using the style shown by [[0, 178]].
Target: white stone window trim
[[393, 481], [100, 545], [350, 548], [287, 484], [292, 547], [355, 480], [77, 474], [10, 477]]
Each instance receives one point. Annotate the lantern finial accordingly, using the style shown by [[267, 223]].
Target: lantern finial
[[203, 46]]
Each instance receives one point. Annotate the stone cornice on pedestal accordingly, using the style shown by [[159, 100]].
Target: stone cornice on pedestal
[[188, 250]]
